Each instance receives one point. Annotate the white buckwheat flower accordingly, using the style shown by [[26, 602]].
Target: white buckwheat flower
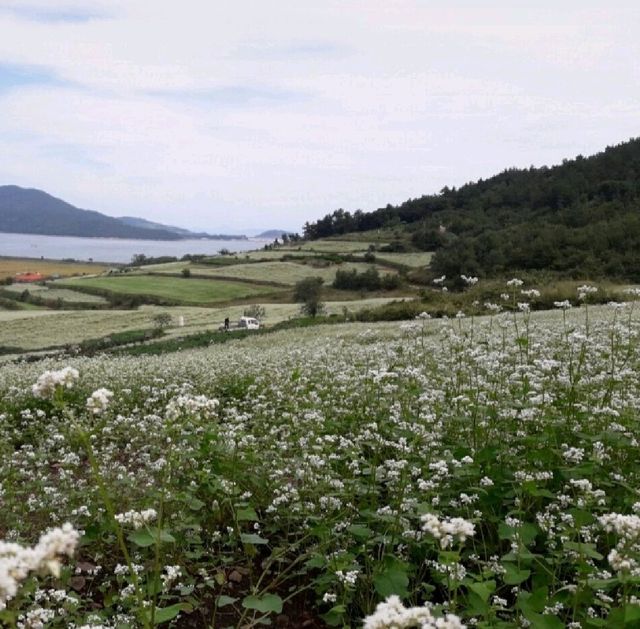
[[392, 614], [47, 384], [137, 519], [448, 530], [98, 401], [16, 561]]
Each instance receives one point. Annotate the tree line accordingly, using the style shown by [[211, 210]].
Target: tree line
[[579, 218]]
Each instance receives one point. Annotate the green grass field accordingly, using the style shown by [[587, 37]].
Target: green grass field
[[185, 290]]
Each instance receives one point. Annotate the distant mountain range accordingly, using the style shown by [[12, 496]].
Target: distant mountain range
[[30, 211]]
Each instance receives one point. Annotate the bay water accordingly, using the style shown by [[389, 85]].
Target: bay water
[[115, 250]]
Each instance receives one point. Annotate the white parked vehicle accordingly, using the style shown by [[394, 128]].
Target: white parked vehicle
[[249, 323], [244, 323]]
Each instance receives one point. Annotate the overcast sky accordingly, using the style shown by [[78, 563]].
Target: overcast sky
[[220, 114]]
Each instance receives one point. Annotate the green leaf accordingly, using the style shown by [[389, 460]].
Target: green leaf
[[147, 537], [360, 531], [581, 517], [514, 576], [585, 549], [505, 531], [540, 493], [264, 604], [142, 538], [223, 600], [484, 589], [165, 614], [252, 538], [332, 619], [533, 602], [544, 621], [476, 606], [393, 580], [195, 504], [528, 532], [631, 613], [603, 584], [165, 536], [316, 562], [246, 515]]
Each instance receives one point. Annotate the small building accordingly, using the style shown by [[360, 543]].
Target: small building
[[28, 278]]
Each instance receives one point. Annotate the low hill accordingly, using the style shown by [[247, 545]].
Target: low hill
[[183, 233], [580, 218]]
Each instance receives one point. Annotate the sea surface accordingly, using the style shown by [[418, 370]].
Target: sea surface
[[111, 249]]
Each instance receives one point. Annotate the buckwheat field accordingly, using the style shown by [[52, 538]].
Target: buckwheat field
[[432, 473]]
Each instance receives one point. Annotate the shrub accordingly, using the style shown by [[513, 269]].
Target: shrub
[[256, 311], [308, 291]]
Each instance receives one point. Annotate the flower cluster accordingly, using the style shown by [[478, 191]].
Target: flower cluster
[[627, 527], [47, 384], [392, 614], [99, 400], [17, 562], [192, 405], [447, 530], [136, 519], [585, 290]]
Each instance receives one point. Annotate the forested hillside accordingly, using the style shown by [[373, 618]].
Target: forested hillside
[[580, 218]]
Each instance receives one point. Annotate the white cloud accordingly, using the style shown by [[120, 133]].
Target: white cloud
[[276, 112]]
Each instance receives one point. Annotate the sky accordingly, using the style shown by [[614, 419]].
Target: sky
[[250, 114]]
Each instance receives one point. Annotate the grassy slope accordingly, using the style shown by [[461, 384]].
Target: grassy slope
[[187, 290]]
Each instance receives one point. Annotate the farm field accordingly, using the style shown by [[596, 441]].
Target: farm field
[[310, 247], [10, 266], [335, 246], [281, 272], [486, 466], [24, 329], [413, 259], [34, 330], [272, 254], [187, 290], [56, 293]]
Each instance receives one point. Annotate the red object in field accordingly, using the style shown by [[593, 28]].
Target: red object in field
[[28, 277]]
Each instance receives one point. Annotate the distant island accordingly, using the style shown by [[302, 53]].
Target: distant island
[[31, 211], [270, 234]]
